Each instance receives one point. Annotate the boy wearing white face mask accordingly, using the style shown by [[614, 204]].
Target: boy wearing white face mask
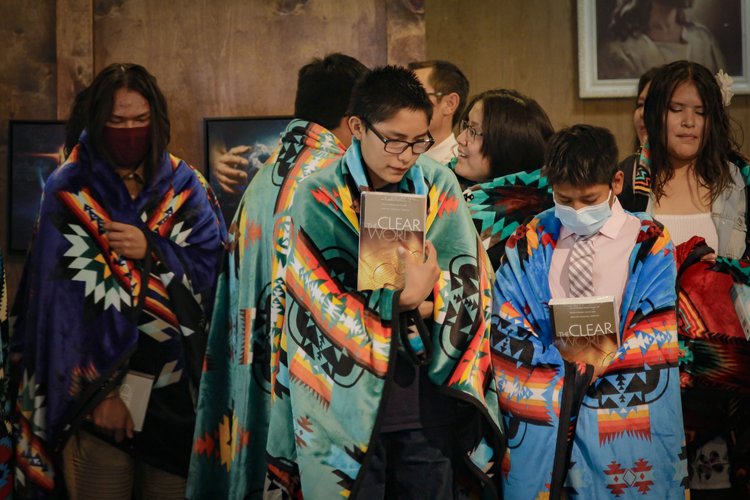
[[590, 431], [582, 170]]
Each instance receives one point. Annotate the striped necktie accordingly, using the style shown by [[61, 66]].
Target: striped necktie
[[581, 267]]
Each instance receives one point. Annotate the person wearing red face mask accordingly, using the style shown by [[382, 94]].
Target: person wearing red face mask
[[110, 315]]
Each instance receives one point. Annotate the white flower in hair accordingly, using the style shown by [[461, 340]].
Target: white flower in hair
[[725, 85]]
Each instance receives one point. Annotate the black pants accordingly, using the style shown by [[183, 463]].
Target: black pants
[[411, 464]]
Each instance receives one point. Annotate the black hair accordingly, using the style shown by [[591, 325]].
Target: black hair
[[76, 120], [101, 99], [631, 17], [324, 87], [446, 78], [711, 165], [644, 80], [581, 155], [385, 91], [515, 131]]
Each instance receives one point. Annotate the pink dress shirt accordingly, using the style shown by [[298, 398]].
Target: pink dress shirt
[[613, 245]]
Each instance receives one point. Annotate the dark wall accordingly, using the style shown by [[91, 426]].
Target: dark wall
[[27, 87]]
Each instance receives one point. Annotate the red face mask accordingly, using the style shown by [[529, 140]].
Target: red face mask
[[127, 146]]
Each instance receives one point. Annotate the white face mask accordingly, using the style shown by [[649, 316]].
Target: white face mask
[[587, 220]]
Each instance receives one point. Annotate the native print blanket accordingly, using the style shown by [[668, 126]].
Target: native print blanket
[[84, 314], [337, 349], [715, 353], [498, 207], [619, 436], [234, 402], [714, 374]]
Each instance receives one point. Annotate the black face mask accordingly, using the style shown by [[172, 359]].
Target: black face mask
[[678, 4]]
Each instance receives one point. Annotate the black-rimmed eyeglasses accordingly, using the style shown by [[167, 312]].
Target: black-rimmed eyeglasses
[[471, 132], [397, 146]]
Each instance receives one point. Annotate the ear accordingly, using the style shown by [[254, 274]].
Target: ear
[[357, 127], [618, 182], [449, 103], [343, 131]]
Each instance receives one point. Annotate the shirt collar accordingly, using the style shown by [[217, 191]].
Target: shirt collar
[[134, 174], [614, 224]]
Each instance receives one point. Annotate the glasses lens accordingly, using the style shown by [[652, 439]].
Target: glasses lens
[[396, 147], [421, 147], [471, 133]]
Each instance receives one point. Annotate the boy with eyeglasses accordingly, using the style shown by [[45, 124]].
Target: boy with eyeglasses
[[593, 431], [384, 393]]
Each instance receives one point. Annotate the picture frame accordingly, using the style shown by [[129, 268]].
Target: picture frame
[[35, 150], [261, 133], [716, 33]]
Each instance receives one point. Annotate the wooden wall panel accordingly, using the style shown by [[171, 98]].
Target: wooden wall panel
[[27, 87], [405, 31], [75, 51], [211, 57], [231, 58], [532, 46]]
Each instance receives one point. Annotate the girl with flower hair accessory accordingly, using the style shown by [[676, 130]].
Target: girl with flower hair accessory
[[692, 178], [725, 85]]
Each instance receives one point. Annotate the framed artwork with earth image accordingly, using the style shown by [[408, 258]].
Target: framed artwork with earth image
[[618, 40], [35, 150], [261, 135]]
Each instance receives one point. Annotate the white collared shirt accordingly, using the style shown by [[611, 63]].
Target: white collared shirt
[[443, 152]]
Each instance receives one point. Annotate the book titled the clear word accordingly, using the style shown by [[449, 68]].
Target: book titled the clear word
[[387, 221], [586, 329]]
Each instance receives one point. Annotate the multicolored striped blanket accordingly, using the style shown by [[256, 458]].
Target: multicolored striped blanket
[[498, 207], [334, 359], [618, 436], [84, 314], [229, 449]]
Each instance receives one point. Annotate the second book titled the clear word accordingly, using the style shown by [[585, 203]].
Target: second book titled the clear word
[[389, 221]]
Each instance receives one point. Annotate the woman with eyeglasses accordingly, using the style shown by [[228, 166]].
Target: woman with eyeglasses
[[499, 160]]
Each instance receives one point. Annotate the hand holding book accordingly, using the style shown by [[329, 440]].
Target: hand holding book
[[112, 416], [586, 330], [419, 277]]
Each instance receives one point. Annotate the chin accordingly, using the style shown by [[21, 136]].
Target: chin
[[463, 167]]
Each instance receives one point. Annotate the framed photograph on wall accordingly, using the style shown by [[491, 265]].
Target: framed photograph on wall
[[261, 135], [35, 150], [618, 40]]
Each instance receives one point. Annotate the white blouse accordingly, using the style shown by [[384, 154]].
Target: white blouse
[[683, 227]]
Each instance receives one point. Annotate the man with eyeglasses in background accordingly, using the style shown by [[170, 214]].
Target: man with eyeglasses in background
[[384, 393], [448, 90]]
